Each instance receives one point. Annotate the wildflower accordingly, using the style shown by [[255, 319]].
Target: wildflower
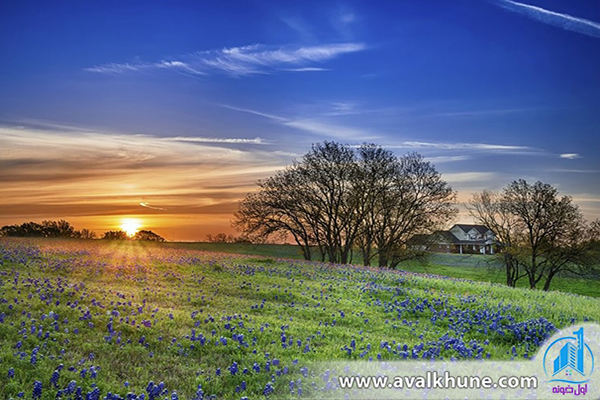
[[54, 378], [37, 390], [233, 368], [268, 389], [199, 393]]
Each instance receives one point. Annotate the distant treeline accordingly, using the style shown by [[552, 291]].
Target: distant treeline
[[56, 229], [224, 238], [63, 229]]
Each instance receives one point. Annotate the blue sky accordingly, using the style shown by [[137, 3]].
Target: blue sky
[[109, 105]]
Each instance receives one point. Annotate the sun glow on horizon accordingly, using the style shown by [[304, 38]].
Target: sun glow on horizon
[[130, 226]]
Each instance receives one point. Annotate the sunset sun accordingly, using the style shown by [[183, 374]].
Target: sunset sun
[[130, 226]]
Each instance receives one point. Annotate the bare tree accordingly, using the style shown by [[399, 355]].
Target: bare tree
[[574, 251], [417, 201], [488, 209], [331, 192], [47, 228], [337, 198], [541, 234], [278, 208], [148, 235], [115, 235], [88, 234]]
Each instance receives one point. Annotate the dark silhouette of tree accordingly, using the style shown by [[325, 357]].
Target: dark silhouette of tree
[[59, 228], [337, 198], [488, 209], [412, 199], [541, 234], [115, 235], [148, 235], [88, 234], [225, 238], [47, 228]]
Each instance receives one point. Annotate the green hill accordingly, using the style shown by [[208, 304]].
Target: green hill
[[122, 317]]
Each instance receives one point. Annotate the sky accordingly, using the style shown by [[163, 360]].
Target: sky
[[169, 112]]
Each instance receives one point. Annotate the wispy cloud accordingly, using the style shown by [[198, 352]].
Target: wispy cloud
[[254, 112], [446, 159], [487, 147], [307, 69], [315, 126], [330, 129], [256, 140], [95, 176], [242, 61], [147, 205], [564, 21], [470, 177], [570, 156], [114, 68], [299, 25]]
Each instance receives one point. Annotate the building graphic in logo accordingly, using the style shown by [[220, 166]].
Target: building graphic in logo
[[571, 355], [569, 359]]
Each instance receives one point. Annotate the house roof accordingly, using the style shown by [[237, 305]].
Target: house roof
[[447, 236], [479, 228], [419, 239]]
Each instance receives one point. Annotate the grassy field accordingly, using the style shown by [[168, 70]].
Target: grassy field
[[477, 267], [122, 319], [487, 269]]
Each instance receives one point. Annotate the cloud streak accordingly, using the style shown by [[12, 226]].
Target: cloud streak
[[313, 126], [484, 147], [570, 156], [242, 61], [256, 140], [564, 21], [147, 205], [88, 172]]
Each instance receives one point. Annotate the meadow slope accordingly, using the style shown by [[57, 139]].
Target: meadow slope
[[122, 319]]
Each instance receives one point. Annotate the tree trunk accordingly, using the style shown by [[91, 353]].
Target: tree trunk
[[383, 259], [548, 280], [531, 272], [366, 254], [509, 270]]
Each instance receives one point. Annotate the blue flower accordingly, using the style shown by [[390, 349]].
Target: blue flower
[[37, 390]]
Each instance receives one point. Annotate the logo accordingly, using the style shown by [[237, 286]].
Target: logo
[[569, 360]]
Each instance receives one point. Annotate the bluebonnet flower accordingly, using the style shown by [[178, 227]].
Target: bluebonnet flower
[[199, 395], [37, 390], [233, 368], [268, 389], [54, 378]]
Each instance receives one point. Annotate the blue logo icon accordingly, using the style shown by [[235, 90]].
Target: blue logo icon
[[574, 362]]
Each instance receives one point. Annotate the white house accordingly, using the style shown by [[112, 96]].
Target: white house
[[462, 239]]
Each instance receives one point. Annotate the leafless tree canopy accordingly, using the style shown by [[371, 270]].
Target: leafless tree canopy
[[338, 198], [541, 233]]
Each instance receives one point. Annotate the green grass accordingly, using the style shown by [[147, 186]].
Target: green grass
[[483, 268], [477, 267], [263, 250], [153, 295]]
